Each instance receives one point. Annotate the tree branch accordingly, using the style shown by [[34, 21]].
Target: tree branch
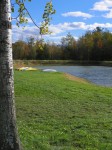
[[31, 18]]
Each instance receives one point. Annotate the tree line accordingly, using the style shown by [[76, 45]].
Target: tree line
[[95, 45]]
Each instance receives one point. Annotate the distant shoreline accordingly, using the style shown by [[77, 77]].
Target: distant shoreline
[[21, 63]]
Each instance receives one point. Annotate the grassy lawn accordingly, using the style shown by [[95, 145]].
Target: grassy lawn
[[55, 113]]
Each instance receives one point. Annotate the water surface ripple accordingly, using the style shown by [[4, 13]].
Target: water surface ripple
[[100, 75]]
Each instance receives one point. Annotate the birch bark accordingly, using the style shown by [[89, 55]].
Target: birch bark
[[8, 132]]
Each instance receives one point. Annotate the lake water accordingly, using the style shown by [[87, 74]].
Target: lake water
[[97, 74]]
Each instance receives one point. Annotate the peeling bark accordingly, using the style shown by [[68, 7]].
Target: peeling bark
[[8, 132]]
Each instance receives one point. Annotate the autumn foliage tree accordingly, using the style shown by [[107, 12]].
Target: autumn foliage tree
[[94, 45]]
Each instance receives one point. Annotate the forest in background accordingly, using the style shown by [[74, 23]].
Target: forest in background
[[95, 45]]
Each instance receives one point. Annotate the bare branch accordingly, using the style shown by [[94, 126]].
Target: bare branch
[[31, 18]]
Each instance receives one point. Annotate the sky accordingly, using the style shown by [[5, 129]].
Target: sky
[[72, 16]]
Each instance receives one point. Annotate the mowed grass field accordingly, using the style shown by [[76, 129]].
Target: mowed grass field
[[57, 113]]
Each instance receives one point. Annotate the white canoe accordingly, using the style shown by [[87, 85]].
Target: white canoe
[[49, 70]]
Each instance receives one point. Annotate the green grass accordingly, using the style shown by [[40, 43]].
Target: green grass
[[54, 113]]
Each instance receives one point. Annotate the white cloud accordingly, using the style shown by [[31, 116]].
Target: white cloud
[[27, 31], [108, 15], [70, 26], [63, 27], [19, 33], [55, 29], [56, 39], [102, 25], [66, 27], [102, 5], [53, 39], [77, 14]]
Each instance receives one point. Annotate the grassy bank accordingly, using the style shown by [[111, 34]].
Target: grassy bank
[[21, 63], [55, 112]]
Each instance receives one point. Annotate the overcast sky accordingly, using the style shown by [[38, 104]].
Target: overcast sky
[[74, 16]]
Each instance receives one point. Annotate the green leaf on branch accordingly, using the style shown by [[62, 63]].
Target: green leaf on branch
[[47, 16], [48, 12]]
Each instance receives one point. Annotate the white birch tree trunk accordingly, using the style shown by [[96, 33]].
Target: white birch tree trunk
[[8, 132]]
